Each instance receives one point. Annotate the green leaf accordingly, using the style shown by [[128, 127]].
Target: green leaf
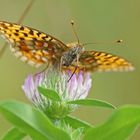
[[31, 121], [92, 102], [51, 94], [77, 123], [13, 134], [119, 127]]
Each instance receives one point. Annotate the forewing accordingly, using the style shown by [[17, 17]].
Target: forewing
[[100, 61], [31, 45]]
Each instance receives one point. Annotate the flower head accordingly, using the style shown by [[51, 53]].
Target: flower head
[[76, 88]]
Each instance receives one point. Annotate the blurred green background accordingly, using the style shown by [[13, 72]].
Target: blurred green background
[[95, 20]]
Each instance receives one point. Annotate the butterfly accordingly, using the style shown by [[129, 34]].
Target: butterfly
[[37, 48]]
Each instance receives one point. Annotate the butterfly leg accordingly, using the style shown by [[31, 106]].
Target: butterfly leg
[[72, 74], [42, 71], [76, 67], [78, 56], [60, 65]]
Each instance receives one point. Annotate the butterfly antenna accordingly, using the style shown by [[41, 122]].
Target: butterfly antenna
[[74, 31], [72, 74], [113, 42], [25, 12]]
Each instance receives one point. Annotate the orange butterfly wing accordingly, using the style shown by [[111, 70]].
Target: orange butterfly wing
[[31, 45], [100, 61]]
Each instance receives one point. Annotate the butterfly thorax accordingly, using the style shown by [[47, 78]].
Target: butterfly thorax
[[72, 55]]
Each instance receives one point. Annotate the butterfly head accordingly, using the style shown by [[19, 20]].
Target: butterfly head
[[74, 51], [72, 54]]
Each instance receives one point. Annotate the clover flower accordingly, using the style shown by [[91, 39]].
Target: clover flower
[[76, 88]]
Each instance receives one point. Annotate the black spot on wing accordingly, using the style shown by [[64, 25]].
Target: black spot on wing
[[16, 34], [25, 34], [22, 28], [31, 32]]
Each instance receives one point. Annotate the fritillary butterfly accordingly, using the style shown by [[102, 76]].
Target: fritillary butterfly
[[36, 48]]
